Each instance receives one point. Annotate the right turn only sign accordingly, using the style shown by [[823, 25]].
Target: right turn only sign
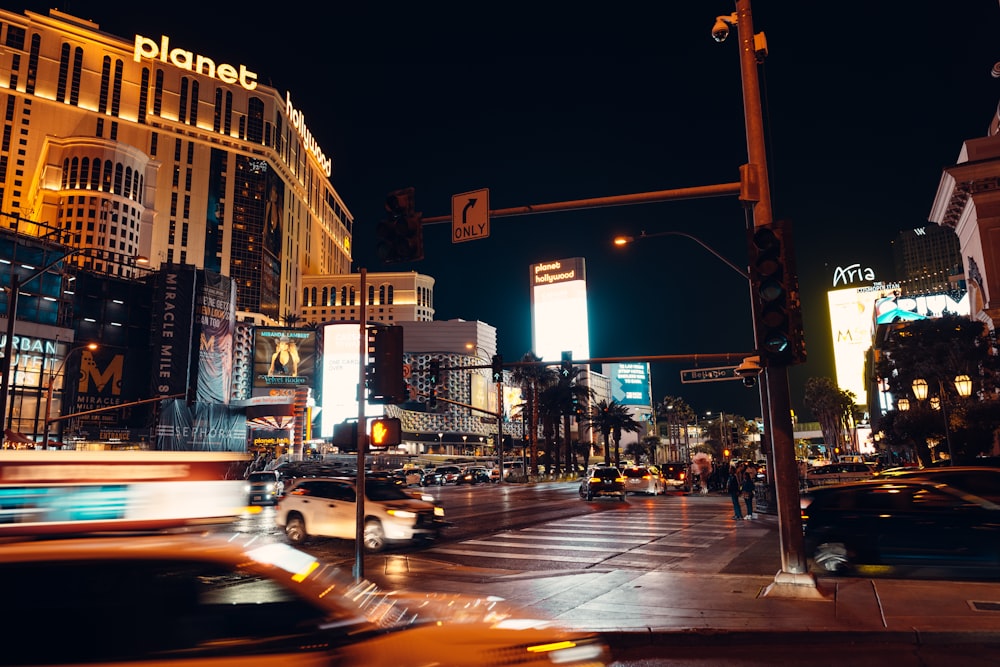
[[470, 216]]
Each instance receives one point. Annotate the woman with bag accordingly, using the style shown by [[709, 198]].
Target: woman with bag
[[746, 490]]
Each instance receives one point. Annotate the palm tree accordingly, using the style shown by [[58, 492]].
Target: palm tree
[[558, 402], [675, 412], [832, 406], [532, 378], [290, 318], [611, 420]]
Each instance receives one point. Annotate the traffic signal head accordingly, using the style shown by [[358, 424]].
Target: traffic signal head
[[432, 399], [400, 237], [497, 368], [384, 371], [777, 312], [434, 372], [385, 432], [566, 365]]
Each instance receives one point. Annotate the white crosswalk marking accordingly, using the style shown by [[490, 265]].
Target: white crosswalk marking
[[647, 538]]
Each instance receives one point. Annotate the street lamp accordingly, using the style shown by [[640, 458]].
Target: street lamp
[[51, 384], [963, 387], [622, 241]]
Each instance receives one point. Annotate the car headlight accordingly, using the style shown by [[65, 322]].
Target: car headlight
[[402, 514], [438, 511]]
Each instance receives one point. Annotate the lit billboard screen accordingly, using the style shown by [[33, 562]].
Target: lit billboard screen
[[338, 398], [630, 383], [559, 320], [851, 313], [283, 357]]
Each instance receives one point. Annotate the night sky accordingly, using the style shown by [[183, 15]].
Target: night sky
[[864, 104]]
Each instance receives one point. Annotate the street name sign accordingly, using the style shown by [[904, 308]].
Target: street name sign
[[470, 216], [709, 374]]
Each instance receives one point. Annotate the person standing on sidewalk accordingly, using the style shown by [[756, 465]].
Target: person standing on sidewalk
[[733, 487], [746, 490]]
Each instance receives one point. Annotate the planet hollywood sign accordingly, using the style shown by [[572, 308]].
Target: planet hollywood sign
[[198, 64]]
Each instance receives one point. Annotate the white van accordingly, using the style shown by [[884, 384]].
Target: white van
[[513, 468]]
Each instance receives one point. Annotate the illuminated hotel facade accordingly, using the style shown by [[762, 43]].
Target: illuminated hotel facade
[[141, 147]]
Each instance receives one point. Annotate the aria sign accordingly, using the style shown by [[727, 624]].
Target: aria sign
[[845, 275]]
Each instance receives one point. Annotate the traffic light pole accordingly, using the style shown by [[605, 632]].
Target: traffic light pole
[[794, 579]]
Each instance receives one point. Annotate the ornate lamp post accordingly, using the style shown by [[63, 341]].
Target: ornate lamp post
[[963, 387]]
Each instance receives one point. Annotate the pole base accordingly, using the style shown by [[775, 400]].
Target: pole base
[[795, 586]]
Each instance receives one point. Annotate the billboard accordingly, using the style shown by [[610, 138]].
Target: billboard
[[283, 357], [338, 399], [630, 383], [559, 320], [851, 311]]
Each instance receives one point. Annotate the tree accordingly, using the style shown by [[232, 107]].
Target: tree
[[611, 419], [675, 412], [937, 350], [532, 378], [557, 403], [290, 318], [833, 407]]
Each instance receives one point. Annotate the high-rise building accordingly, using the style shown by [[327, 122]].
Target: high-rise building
[[143, 146], [927, 260]]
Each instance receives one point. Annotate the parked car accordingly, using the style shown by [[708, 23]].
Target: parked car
[[644, 479], [900, 523], [219, 599], [979, 481], [474, 475], [603, 481], [264, 487], [838, 473], [326, 507]]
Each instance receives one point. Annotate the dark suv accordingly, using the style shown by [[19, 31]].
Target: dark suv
[[603, 481]]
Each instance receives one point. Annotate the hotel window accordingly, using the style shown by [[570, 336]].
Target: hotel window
[[116, 94], [158, 93], [63, 74], [102, 104], [143, 95], [74, 91], [36, 42]]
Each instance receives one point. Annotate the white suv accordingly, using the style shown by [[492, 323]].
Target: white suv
[[325, 506]]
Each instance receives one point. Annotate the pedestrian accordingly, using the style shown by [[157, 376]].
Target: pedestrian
[[733, 486], [746, 490]]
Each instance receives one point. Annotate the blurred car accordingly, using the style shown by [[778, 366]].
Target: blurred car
[[326, 507], [447, 474], [982, 482], [644, 479], [900, 523], [432, 478], [410, 476], [838, 473], [474, 475], [676, 475], [204, 599], [603, 481], [385, 476], [264, 487]]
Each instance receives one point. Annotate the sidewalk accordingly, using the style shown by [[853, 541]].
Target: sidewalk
[[685, 606]]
